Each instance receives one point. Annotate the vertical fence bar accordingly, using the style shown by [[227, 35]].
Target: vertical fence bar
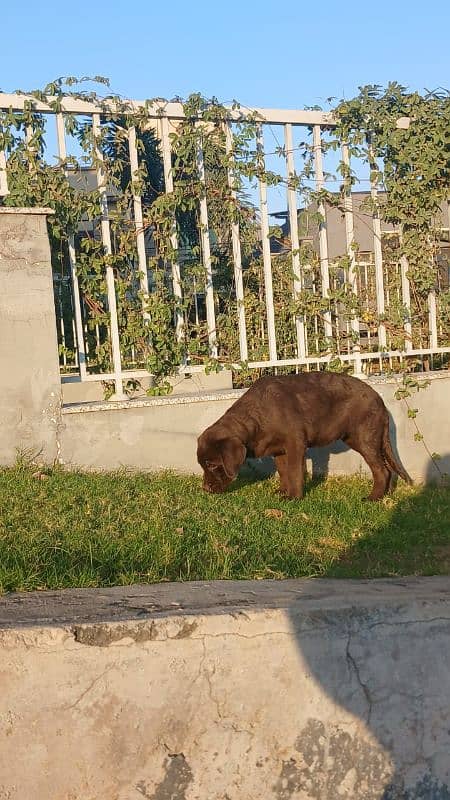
[[111, 289], [3, 175], [85, 328], [432, 313], [350, 242], [206, 252], [377, 248], [367, 285], [237, 257], [75, 349], [62, 153], [197, 316], [432, 317], [323, 239], [168, 182], [406, 300], [28, 139], [268, 285], [295, 244], [61, 324], [138, 221], [29, 135]]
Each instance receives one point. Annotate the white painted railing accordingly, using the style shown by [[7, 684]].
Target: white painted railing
[[362, 348]]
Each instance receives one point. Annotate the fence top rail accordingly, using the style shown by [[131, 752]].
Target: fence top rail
[[158, 108]]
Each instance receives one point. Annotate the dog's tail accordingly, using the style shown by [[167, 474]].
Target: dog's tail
[[389, 457]]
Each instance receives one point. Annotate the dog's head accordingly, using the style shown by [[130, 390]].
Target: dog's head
[[220, 458]]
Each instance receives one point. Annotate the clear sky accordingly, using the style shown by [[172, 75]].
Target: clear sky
[[275, 54]]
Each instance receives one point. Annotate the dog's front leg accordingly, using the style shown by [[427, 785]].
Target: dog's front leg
[[291, 469]]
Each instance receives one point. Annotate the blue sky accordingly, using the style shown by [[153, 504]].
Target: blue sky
[[285, 55]]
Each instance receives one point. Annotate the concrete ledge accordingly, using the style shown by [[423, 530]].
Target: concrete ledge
[[296, 690], [123, 603], [153, 402], [28, 211]]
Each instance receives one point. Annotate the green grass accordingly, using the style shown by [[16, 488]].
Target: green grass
[[68, 529]]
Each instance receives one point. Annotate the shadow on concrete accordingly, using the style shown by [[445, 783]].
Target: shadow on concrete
[[406, 755], [320, 459], [256, 470]]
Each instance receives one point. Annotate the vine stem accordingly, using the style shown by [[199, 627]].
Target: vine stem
[[422, 439]]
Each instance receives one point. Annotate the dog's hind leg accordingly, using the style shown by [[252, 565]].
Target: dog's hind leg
[[373, 456]]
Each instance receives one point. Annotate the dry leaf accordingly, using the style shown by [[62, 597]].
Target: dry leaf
[[274, 513], [179, 530], [40, 476]]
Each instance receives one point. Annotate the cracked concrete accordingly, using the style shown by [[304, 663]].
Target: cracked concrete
[[364, 687], [319, 690]]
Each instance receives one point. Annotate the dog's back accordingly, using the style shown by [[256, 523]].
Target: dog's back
[[325, 403]]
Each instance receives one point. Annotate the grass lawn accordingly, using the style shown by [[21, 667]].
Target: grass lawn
[[68, 529]]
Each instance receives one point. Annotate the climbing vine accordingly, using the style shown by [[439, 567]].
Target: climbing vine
[[403, 137]]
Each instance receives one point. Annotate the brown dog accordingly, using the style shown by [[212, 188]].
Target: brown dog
[[283, 416]]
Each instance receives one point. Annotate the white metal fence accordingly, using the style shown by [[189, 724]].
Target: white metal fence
[[366, 275]]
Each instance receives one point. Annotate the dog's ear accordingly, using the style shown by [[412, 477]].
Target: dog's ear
[[233, 454]]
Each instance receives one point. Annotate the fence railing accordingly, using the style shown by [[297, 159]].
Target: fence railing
[[376, 279]]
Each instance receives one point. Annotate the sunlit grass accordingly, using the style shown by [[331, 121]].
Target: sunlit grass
[[69, 529]]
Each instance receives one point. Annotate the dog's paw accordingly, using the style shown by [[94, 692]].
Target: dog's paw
[[293, 496]]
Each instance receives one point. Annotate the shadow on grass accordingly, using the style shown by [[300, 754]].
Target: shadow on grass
[[414, 540]]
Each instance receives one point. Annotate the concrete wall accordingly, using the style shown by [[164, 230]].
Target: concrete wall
[[162, 432], [29, 369], [293, 690]]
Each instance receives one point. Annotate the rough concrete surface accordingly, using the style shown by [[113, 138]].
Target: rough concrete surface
[[29, 367], [261, 690]]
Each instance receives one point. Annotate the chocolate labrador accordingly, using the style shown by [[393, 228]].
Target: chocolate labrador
[[283, 416]]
